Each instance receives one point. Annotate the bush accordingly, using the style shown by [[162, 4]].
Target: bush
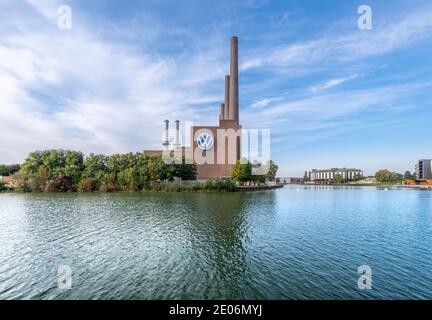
[[224, 184], [172, 187], [22, 186], [60, 184], [109, 187], [218, 184], [209, 185], [88, 185], [196, 186]]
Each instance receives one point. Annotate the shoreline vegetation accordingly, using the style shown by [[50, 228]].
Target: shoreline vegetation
[[72, 171]]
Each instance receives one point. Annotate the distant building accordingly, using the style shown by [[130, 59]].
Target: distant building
[[327, 176], [423, 169], [289, 180]]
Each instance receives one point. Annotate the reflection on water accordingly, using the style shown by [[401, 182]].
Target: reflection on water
[[293, 243]]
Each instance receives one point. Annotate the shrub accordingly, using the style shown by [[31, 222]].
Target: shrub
[[225, 184], [60, 184], [109, 187], [209, 185], [196, 186], [172, 187], [22, 186], [88, 185]]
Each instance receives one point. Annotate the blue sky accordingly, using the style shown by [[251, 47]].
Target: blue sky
[[333, 95]]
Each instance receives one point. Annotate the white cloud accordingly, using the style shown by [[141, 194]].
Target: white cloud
[[331, 111], [76, 90], [385, 37], [250, 63], [264, 102], [332, 83]]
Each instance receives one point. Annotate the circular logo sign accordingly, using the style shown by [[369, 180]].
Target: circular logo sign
[[205, 141]]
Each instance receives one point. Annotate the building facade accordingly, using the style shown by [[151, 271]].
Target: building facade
[[328, 176], [214, 149], [423, 169]]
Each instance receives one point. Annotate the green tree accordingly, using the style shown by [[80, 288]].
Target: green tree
[[184, 171], [88, 185], [242, 172], [73, 166], [337, 178], [408, 175], [38, 181], [7, 170], [156, 170], [383, 175], [386, 176], [272, 171], [32, 162], [95, 166]]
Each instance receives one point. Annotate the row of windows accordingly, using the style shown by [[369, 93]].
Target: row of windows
[[329, 175]]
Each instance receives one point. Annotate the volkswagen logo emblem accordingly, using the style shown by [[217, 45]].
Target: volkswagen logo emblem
[[205, 141]]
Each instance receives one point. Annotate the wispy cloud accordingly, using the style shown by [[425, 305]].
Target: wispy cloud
[[264, 102], [333, 83], [77, 90], [331, 110], [387, 36]]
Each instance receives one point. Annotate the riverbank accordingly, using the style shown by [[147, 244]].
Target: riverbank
[[216, 185], [259, 188]]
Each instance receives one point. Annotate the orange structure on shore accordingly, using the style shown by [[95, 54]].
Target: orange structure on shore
[[413, 182]]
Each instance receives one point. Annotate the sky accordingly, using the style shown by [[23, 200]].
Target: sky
[[332, 94]]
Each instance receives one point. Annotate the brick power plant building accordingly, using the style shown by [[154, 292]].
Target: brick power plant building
[[214, 149]]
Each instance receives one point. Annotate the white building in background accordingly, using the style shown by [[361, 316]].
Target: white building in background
[[424, 169], [327, 176]]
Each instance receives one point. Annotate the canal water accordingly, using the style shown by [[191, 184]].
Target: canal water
[[299, 242]]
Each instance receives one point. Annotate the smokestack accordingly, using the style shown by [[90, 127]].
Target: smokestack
[[166, 142], [177, 133], [222, 112], [233, 82], [227, 92]]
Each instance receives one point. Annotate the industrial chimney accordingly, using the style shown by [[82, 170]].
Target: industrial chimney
[[166, 142], [177, 134], [233, 82], [226, 103]]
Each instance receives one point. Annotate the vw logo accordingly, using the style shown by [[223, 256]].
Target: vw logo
[[205, 141]]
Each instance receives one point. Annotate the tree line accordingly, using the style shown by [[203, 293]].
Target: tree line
[[69, 171], [387, 176], [64, 170]]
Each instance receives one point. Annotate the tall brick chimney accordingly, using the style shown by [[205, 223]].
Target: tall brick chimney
[[226, 103], [233, 82]]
